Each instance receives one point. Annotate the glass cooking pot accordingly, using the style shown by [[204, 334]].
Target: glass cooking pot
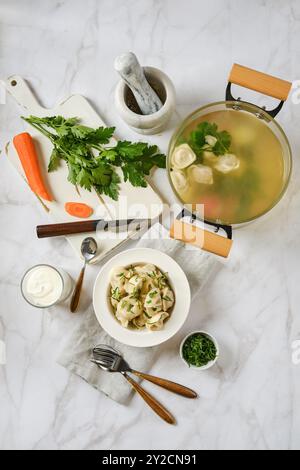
[[264, 84]]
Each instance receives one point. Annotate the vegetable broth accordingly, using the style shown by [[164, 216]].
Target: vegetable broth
[[248, 191]]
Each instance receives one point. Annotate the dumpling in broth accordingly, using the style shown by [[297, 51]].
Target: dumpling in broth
[[201, 174], [179, 180], [167, 298], [183, 156], [134, 284], [156, 323], [227, 163], [119, 278], [140, 296], [148, 269], [153, 301], [140, 321], [128, 309]]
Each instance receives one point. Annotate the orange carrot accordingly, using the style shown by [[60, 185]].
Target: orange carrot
[[24, 146], [78, 209]]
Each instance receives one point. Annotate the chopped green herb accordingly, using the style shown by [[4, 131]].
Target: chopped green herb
[[152, 294], [136, 293], [199, 350], [116, 295]]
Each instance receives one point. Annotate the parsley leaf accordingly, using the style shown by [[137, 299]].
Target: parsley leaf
[[54, 160], [130, 150], [198, 143], [133, 172], [84, 179]]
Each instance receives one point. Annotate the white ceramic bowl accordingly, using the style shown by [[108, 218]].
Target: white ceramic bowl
[[209, 364], [179, 284]]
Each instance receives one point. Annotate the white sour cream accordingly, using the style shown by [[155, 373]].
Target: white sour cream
[[43, 286]]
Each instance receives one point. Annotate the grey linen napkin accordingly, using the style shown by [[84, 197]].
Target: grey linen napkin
[[76, 353]]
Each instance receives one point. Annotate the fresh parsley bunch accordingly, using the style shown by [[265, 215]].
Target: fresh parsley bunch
[[91, 163]]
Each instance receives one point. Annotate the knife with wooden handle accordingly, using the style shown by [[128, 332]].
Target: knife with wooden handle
[[85, 226]]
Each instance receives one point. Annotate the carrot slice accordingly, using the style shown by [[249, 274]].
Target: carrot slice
[[25, 148], [78, 209]]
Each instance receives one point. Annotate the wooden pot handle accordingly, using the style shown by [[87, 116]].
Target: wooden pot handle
[[260, 82], [196, 236]]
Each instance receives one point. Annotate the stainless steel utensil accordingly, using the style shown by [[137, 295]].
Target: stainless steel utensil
[[89, 250], [110, 360]]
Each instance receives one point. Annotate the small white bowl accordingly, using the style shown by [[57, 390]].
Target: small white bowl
[[179, 284], [209, 364]]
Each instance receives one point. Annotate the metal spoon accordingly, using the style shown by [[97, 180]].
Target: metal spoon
[[88, 250]]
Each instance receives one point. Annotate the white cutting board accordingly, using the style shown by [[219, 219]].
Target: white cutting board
[[133, 202]]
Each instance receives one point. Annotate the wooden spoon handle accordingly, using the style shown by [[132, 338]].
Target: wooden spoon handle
[[77, 291], [167, 384], [151, 401]]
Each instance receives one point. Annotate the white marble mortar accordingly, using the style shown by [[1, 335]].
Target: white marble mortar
[[153, 123]]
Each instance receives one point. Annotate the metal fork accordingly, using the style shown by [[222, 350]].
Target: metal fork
[[111, 360]]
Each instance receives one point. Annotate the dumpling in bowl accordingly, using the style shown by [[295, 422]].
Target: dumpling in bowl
[[140, 321], [128, 308], [156, 323], [147, 269], [153, 302], [148, 285], [115, 297], [168, 300], [119, 278], [134, 284]]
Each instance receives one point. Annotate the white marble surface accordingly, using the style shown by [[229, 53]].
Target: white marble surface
[[252, 399]]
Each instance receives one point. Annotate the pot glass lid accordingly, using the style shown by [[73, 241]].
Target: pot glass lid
[[233, 159]]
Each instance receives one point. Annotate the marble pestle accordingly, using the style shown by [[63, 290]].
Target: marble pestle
[[132, 73]]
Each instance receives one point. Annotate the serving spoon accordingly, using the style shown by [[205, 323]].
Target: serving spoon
[[88, 250]]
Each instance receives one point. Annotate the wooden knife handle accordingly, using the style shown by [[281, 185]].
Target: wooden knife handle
[[167, 384], [159, 409], [260, 82], [69, 228]]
